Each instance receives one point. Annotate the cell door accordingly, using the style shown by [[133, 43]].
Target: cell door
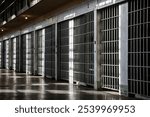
[[83, 49], [29, 53], [40, 34], [109, 44], [17, 54], [14, 54], [23, 53], [50, 52], [139, 48], [63, 50], [4, 54]]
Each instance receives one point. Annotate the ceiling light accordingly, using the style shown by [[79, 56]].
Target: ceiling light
[[26, 17]]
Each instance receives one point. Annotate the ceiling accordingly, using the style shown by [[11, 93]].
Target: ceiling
[[4, 4], [1, 1], [36, 12]]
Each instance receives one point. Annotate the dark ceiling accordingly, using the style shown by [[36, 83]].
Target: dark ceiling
[[4, 4], [2, 1], [44, 8]]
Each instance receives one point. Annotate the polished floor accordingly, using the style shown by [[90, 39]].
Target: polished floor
[[19, 86]]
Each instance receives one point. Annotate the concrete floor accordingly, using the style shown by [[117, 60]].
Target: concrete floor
[[19, 86]]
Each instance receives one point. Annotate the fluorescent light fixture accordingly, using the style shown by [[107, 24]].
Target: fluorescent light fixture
[[69, 16], [38, 27], [4, 22], [13, 16]]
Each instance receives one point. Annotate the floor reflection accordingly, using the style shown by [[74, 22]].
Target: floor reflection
[[19, 86]]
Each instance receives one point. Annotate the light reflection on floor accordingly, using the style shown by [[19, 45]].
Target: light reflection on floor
[[7, 91], [19, 86]]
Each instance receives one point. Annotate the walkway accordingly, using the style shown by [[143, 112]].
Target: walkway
[[19, 86]]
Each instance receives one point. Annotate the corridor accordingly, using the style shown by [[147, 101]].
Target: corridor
[[19, 86]]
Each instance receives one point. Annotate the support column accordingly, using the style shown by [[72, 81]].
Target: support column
[[43, 50], [27, 51], [123, 49], [56, 52], [96, 64], [71, 31], [20, 53]]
